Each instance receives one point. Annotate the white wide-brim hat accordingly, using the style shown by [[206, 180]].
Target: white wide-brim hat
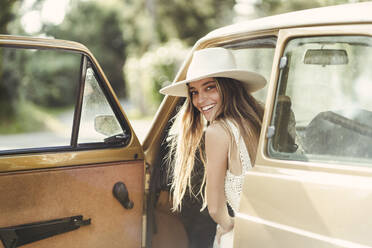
[[214, 62]]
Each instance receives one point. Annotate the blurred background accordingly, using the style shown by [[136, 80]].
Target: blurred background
[[140, 44]]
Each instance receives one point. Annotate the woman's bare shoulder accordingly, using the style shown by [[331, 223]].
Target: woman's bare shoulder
[[216, 132]]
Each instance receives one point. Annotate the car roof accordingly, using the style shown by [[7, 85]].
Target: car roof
[[332, 15]]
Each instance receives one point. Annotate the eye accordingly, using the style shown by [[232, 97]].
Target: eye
[[193, 93], [210, 87]]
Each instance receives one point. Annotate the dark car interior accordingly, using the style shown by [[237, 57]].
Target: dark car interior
[[199, 227]]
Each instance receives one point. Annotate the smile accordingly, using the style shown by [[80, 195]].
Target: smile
[[208, 107]]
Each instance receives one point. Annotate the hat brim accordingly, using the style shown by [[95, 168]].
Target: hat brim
[[252, 82]]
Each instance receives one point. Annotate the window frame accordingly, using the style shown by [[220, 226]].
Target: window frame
[[284, 36], [86, 60], [266, 41]]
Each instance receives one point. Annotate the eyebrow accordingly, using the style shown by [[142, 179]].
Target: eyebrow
[[211, 81]]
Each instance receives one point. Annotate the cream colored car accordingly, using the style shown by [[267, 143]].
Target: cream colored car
[[312, 182], [83, 179]]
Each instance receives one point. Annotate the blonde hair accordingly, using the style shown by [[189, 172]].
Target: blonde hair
[[238, 106]]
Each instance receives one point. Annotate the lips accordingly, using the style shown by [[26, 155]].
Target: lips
[[208, 107]]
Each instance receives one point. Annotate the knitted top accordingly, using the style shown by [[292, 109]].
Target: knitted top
[[234, 183]]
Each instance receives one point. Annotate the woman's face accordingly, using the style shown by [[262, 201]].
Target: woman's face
[[205, 97]]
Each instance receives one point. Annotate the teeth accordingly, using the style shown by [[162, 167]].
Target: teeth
[[207, 107]]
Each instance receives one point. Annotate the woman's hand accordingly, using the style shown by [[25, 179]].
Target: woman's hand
[[221, 231]]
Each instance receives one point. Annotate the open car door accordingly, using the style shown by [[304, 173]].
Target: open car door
[[71, 167], [311, 185]]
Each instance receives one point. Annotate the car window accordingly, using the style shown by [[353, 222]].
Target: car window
[[323, 111], [38, 93], [255, 55], [95, 106], [41, 104]]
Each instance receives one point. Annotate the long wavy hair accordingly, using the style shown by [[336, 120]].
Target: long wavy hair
[[238, 106]]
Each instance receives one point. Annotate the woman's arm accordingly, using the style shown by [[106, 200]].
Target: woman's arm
[[216, 147]]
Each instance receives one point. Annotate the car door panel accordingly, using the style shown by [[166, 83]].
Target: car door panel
[[61, 159], [294, 206], [35, 196]]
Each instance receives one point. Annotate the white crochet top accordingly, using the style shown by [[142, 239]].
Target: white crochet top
[[234, 183]]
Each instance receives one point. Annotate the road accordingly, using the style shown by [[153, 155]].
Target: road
[[58, 131], [141, 127]]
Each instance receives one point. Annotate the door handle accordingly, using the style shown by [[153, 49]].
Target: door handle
[[15, 236], [121, 193]]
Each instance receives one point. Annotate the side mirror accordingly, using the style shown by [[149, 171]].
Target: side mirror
[[107, 125], [326, 57]]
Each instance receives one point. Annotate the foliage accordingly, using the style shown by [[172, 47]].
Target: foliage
[[8, 88], [28, 118], [272, 7], [6, 14], [147, 74], [192, 19], [136, 26], [10, 83], [34, 79], [97, 27], [51, 77]]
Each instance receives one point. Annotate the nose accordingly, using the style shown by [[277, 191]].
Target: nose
[[201, 97]]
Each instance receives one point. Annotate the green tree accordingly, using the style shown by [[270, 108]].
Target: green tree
[[8, 85], [165, 30], [161, 64], [272, 7], [6, 14], [192, 19], [149, 23], [98, 27]]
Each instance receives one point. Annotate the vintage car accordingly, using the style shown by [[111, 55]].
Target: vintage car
[[83, 179]]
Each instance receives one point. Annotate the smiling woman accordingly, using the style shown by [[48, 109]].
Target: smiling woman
[[205, 97], [218, 92]]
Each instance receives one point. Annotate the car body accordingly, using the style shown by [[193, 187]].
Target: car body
[[311, 185]]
